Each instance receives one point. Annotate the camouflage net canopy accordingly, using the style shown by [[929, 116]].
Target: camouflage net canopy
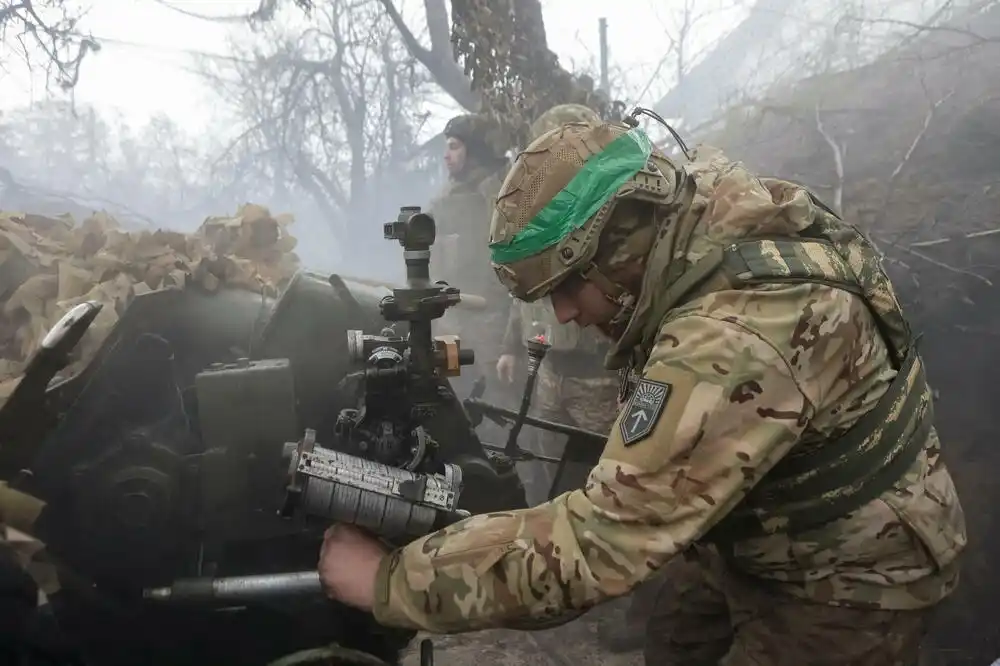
[[502, 45], [48, 265]]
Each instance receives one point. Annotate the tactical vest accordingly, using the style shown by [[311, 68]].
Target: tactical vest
[[812, 486], [539, 318]]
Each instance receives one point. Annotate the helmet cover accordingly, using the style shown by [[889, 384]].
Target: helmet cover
[[562, 114], [557, 198]]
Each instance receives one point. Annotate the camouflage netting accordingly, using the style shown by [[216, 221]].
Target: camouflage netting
[[502, 45], [48, 265], [918, 135]]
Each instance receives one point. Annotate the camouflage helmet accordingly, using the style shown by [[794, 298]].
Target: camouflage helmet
[[558, 197], [561, 115]]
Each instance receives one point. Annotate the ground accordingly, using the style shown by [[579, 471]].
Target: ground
[[573, 644]]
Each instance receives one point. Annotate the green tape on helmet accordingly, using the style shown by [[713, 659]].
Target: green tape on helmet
[[599, 179]]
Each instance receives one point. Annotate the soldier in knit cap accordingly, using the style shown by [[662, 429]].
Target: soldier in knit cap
[[476, 165]]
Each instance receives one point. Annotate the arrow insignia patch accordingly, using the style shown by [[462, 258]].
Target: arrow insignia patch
[[643, 410]]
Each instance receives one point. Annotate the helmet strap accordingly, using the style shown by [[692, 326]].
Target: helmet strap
[[613, 292]]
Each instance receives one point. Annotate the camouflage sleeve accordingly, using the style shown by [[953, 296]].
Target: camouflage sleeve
[[511, 343], [732, 407]]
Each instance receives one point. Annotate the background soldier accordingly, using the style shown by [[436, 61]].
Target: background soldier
[[462, 211]]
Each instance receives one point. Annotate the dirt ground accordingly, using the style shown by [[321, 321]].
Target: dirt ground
[[573, 644]]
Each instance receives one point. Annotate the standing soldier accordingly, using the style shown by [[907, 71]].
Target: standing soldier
[[476, 166]]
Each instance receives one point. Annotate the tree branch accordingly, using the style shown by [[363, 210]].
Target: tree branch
[[838, 159], [265, 12], [921, 27], [437, 59], [62, 45], [332, 104], [940, 264], [928, 117]]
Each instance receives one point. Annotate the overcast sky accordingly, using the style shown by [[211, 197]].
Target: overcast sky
[[146, 63]]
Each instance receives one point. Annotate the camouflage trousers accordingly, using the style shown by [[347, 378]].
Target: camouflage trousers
[[584, 402], [705, 614]]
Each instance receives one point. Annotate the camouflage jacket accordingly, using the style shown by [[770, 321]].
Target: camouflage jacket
[[749, 375]]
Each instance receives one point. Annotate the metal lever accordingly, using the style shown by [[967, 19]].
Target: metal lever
[[537, 348], [426, 652]]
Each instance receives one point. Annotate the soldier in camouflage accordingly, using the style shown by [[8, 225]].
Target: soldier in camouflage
[[462, 211], [573, 385], [776, 446]]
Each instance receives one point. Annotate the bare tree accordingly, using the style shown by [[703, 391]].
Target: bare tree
[[326, 109], [506, 70], [494, 59], [47, 29], [48, 142], [745, 72], [266, 11], [681, 25], [63, 157]]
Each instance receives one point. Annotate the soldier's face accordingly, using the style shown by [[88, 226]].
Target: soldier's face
[[580, 301], [454, 155]]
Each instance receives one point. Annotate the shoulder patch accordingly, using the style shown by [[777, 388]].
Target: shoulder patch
[[643, 410]]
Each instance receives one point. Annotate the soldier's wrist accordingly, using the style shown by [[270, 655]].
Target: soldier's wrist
[[382, 604]]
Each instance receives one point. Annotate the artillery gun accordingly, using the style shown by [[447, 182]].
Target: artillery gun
[[190, 469]]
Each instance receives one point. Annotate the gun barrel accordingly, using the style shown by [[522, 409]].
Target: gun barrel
[[238, 588]]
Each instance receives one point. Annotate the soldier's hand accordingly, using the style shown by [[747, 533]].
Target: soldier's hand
[[505, 368], [348, 564]]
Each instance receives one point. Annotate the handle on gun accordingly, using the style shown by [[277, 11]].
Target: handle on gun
[[537, 348]]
